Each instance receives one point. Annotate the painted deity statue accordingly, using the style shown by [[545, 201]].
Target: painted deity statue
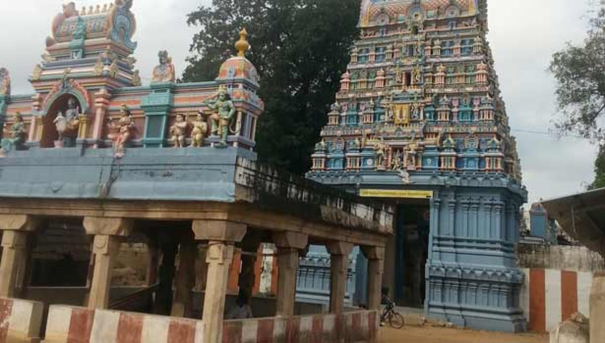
[[200, 129], [224, 111], [179, 131], [68, 124], [410, 155], [164, 72], [17, 133], [381, 154], [125, 130]]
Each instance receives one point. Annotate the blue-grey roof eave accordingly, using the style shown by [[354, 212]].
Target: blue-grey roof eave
[[205, 174]]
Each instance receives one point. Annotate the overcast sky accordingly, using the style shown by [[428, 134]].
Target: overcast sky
[[523, 34]]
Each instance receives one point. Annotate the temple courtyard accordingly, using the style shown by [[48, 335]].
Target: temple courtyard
[[428, 334]]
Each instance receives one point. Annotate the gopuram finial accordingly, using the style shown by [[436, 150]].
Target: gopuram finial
[[242, 44]]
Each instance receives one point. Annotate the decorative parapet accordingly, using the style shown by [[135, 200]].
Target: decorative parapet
[[304, 198]]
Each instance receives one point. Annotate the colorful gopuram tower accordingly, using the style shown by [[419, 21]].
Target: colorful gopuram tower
[[420, 118]]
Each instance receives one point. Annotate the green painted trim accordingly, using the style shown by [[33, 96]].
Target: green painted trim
[[18, 97]]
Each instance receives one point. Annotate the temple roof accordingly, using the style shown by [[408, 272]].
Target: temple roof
[[239, 67], [112, 21], [381, 12]]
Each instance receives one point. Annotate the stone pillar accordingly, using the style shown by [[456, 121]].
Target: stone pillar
[[201, 268], [289, 245], [105, 248], [16, 229], [181, 307], [597, 308], [339, 265], [249, 258], [247, 276], [153, 261], [108, 233], [164, 294], [375, 256], [221, 236], [219, 257], [102, 98]]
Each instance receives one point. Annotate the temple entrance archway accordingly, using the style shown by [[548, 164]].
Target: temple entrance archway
[[407, 253], [49, 130]]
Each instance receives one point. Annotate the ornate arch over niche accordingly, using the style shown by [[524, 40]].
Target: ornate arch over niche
[[67, 86]]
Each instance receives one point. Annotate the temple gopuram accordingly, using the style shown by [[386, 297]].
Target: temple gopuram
[[419, 123], [101, 177]]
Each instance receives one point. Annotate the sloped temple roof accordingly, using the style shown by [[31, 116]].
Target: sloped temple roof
[[582, 216]]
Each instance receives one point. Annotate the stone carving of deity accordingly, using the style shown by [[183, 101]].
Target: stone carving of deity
[[410, 156], [17, 135], [80, 30], [417, 75], [200, 129], [380, 150], [124, 130], [179, 131], [416, 111], [67, 125], [405, 177], [224, 111], [397, 162], [164, 72], [5, 82]]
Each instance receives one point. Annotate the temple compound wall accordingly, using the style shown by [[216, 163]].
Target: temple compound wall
[[419, 123], [95, 160], [558, 280]]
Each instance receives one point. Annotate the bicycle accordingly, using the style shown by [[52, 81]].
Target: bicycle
[[389, 315]]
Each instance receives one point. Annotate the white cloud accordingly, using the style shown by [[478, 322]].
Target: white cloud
[[523, 34]]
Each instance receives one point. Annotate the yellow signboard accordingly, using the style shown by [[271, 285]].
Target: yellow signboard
[[393, 193]]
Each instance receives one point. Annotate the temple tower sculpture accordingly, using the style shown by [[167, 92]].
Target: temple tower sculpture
[[420, 117]]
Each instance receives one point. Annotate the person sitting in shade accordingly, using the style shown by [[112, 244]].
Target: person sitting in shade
[[242, 309]]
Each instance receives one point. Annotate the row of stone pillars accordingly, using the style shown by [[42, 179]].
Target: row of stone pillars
[[221, 237]]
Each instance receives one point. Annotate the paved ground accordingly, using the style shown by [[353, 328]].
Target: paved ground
[[428, 334]]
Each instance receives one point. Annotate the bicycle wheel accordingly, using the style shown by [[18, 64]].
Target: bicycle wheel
[[396, 320]]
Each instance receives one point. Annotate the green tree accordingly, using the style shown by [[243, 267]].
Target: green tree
[[599, 170], [580, 74], [300, 48]]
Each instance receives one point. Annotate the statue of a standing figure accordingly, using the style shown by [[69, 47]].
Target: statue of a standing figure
[[125, 129], [381, 155], [164, 72], [224, 112], [18, 135], [68, 125], [200, 129], [179, 131]]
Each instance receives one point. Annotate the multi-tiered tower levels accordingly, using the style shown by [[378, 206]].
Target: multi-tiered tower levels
[[420, 108]]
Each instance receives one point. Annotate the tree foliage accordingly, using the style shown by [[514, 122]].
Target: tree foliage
[[300, 48], [580, 74], [599, 170]]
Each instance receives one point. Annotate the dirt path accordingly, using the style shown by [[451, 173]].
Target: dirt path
[[429, 334]]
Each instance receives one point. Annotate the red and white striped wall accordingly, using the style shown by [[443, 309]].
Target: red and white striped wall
[[20, 320], [75, 324], [351, 327], [550, 296]]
